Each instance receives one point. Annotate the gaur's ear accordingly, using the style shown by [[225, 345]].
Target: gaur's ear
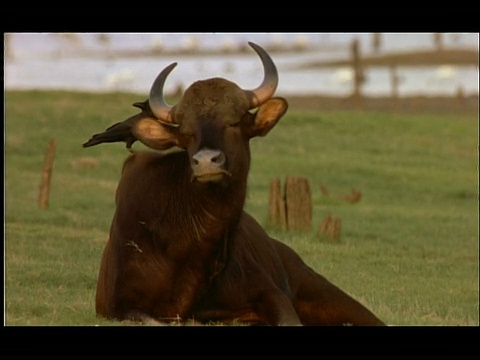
[[154, 134], [268, 115]]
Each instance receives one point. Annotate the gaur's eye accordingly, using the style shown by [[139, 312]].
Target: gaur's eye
[[188, 134], [187, 131], [234, 124]]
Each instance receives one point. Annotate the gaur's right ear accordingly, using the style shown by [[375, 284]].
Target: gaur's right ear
[[155, 135], [268, 115]]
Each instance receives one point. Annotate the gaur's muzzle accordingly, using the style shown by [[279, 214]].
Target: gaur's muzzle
[[208, 165]]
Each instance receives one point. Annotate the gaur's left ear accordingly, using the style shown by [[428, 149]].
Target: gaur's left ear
[[268, 115], [155, 135]]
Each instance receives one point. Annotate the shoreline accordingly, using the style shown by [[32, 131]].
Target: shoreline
[[460, 57]]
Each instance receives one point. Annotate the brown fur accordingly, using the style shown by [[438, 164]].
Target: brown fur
[[182, 247]]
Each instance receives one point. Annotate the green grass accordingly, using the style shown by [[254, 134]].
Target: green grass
[[408, 250]]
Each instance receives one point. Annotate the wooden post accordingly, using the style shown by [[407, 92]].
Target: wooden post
[[460, 97], [330, 229], [276, 204], [376, 42], [8, 47], [358, 77], [324, 224], [291, 210], [438, 41], [299, 204], [46, 175], [335, 230], [395, 80]]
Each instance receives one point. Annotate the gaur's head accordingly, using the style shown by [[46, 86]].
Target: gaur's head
[[214, 121]]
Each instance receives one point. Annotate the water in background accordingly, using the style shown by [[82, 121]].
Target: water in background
[[88, 61]]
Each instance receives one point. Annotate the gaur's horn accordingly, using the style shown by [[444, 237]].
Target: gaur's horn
[[270, 80], [157, 103]]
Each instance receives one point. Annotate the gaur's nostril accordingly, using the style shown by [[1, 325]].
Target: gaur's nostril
[[219, 159]]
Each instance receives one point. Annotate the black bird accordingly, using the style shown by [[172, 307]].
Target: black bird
[[122, 131]]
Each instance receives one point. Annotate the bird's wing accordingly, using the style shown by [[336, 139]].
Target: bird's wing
[[119, 132]]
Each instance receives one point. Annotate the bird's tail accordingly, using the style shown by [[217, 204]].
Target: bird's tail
[[121, 131]]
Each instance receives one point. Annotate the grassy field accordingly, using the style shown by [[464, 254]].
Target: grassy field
[[408, 250]]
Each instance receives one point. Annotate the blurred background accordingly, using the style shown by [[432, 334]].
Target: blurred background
[[337, 65]]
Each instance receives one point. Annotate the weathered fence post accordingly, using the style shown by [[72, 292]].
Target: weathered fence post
[[376, 42], [395, 81], [293, 209], [438, 41], [299, 204], [460, 98], [46, 176], [8, 47], [358, 75], [276, 205], [330, 229], [324, 224]]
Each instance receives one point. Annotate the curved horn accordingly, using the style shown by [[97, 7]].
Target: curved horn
[[157, 103], [270, 80]]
